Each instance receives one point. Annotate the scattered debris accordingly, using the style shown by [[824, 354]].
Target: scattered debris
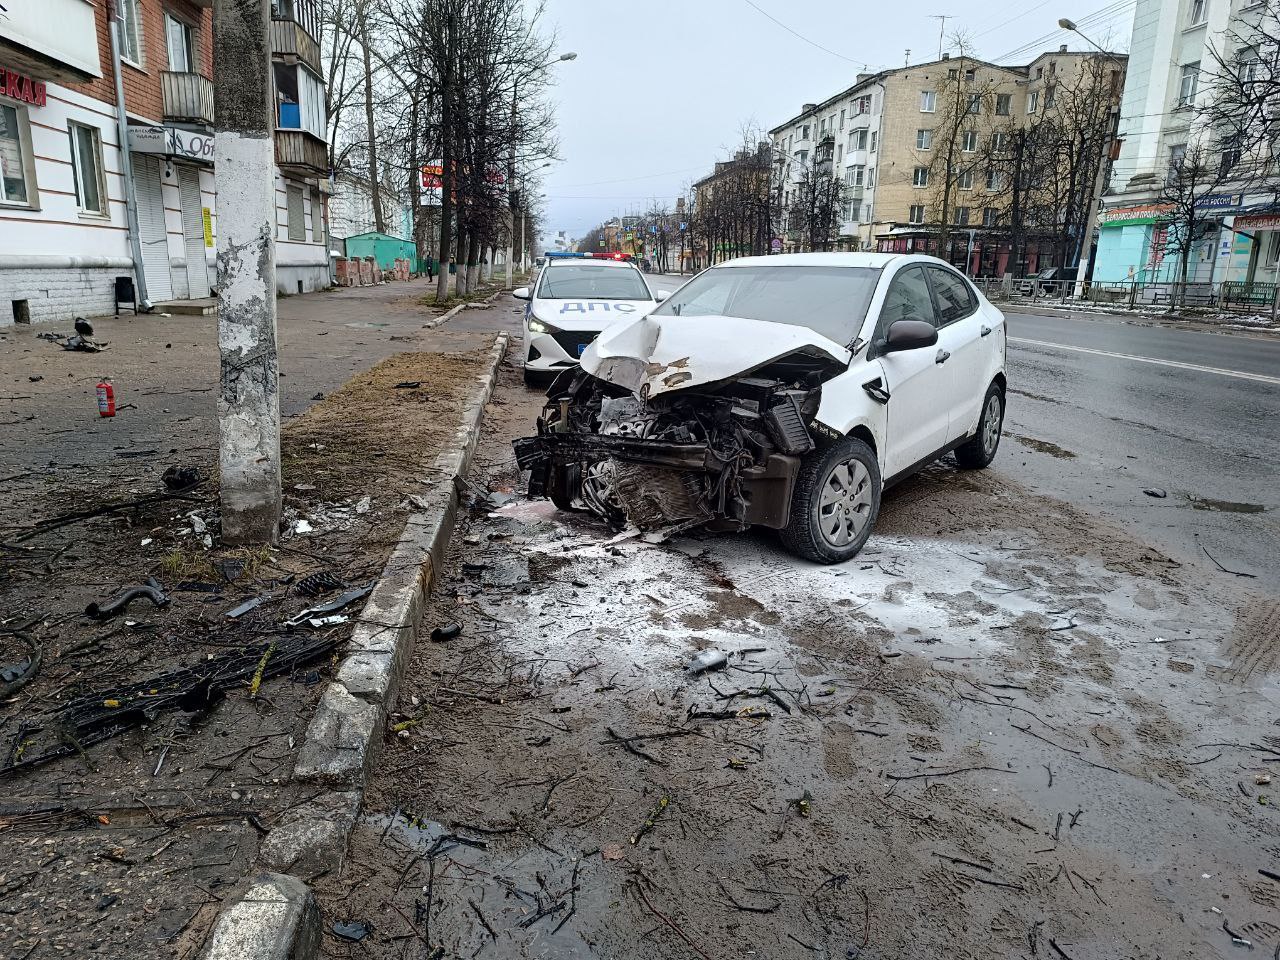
[[181, 478], [333, 606], [363, 504], [302, 526], [446, 632], [15, 676], [1156, 492], [408, 385], [240, 611], [314, 584], [83, 344], [119, 603], [36, 379], [659, 808], [352, 930], [707, 660]]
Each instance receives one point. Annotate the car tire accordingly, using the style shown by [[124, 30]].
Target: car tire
[[536, 379], [835, 503], [562, 486], [980, 449]]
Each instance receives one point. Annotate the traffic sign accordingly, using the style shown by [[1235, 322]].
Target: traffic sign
[[775, 245]]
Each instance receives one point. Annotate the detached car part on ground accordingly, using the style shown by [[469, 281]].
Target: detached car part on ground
[[783, 392]]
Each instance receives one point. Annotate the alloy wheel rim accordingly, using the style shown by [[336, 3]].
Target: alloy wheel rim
[[991, 425], [844, 505]]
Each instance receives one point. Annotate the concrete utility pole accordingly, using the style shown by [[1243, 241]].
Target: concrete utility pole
[[244, 171]]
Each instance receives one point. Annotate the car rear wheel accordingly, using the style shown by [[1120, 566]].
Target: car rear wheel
[[835, 503], [980, 449]]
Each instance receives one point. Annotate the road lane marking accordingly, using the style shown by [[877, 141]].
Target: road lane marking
[[1238, 374]]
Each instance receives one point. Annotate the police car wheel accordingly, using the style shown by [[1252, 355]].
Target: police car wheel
[[537, 379]]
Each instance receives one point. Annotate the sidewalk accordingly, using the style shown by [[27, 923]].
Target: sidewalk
[[169, 733]]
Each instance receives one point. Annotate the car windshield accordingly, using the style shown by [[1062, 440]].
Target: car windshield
[[592, 283], [830, 300]]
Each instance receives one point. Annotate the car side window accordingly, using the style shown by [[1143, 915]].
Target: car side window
[[908, 298], [955, 299]]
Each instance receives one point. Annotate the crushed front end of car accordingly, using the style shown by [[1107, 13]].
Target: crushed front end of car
[[654, 441]]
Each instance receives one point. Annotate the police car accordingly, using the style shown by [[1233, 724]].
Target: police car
[[573, 299]]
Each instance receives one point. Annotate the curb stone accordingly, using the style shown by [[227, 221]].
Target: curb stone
[[454, 311], [277, 919]]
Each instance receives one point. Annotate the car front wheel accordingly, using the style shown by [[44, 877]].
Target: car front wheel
[[980, 449], [835, 503]]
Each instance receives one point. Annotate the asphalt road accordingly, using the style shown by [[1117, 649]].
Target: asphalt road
[[1101, 410]]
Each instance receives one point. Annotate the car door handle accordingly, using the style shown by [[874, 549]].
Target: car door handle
[[986, 331], [942, 357]]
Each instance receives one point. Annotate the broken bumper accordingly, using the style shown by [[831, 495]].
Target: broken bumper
[[672, 482]]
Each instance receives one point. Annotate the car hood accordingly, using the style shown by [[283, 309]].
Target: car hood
[[655, 355], [589, 314]]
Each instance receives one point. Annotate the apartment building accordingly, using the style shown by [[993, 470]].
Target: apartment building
[[75, 156], [1175, 48], [938, 141]]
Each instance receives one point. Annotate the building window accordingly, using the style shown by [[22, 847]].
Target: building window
[[293, 206], [855, 176], [858, 140], [1033, 101], [1177, 154], [1199, 12], [997, 141], [299, 100], [873, 141], [1250, 65], [86, 168], [921, 177], [866, 213], [804, 132], [975, 103], [924, 139], [928, 99], [995, 180], [863, 104], [991, 217], [839, 152], [15, 156], [1004, 104], [841, 119], [871, 176], [181, 48], [1187, 85], [317, 216], [961, 217], [130, 18], [953, 74], [1039, 73], [1048, 97], [917, 213], [822, 126], [970, 74], [969, 141], [964, 180]]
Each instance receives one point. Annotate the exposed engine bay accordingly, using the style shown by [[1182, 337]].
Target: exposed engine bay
[[723, 455]]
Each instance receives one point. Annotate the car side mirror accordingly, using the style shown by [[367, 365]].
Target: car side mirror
[[661, 295], [520, 293], [908, 334]]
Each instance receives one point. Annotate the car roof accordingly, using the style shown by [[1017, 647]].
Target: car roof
[[874, 260]]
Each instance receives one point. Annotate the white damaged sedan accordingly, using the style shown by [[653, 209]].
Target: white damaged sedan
[[572, 301], [785, 392]]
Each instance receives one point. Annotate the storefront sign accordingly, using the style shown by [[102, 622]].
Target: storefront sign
[[172, 142], [1266, 221], [17, 87], [1124, 216], [1219, 201]]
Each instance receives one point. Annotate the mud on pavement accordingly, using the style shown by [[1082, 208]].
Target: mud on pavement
[[1003, 730]]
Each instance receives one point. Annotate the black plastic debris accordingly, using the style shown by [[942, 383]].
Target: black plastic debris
[[1155, 492], [446, 631], [237, 612], [314, 584], [179, 478], [333, 606], [15, 676], [40, 734], [353, 930], [83, 344], [408, 385], [36, 379], [120, 602]]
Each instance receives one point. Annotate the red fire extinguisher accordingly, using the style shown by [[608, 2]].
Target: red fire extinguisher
[[106, 398]]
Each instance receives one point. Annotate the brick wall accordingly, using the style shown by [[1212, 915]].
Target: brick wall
[[142, 86], [57, 294]]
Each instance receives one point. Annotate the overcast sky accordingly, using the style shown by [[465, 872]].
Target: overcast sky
[[661, 88]]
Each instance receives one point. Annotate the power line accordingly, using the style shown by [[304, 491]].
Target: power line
[[1098, 17], [801, 36]]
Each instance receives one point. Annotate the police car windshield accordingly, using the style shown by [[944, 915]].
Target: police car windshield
[[598, 282], [832, 301]]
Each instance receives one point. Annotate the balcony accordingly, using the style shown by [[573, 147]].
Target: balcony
[[294, 29], [301, 154], [187, 97], [51, 40]]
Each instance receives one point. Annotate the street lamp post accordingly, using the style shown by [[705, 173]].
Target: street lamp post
[[511, 154]]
